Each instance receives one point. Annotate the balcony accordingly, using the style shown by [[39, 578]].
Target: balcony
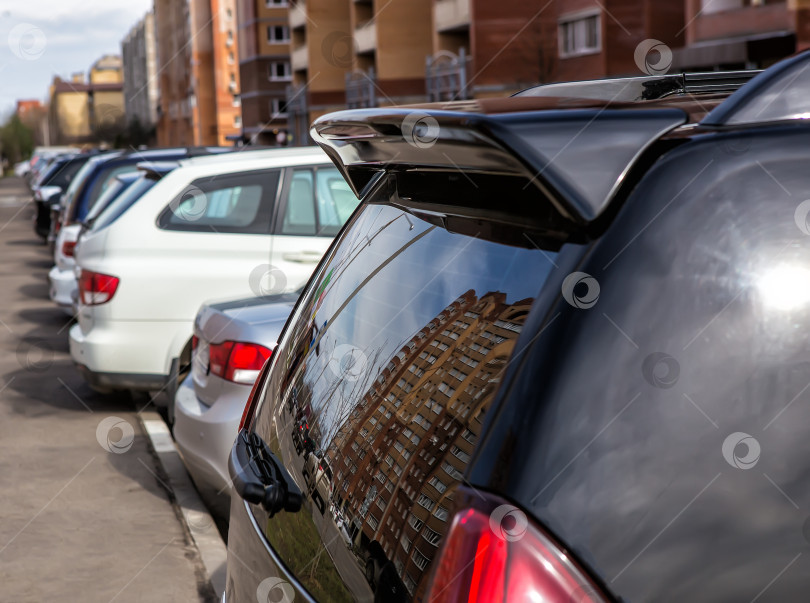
[[450, 15], [298, 15], [365, 38], [299, 58]]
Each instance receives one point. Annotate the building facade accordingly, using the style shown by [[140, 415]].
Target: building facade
[[740, 34], [139, 54], [91, 109], [264, 66], [199, 75]]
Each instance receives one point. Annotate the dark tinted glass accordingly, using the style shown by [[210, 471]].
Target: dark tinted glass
[[122, 203], [104, 179], [388, 368], [64, 172], [664, 433], [235, 203]]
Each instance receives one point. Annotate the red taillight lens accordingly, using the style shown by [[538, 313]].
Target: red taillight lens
[[494, 554], [68, 248], [238, 362], [57, 226], [96, 288]]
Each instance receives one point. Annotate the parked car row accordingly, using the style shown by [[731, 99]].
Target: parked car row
[[500, 350], [543, 355], [144, 239]]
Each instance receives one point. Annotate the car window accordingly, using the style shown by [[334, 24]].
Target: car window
[[389, 366], [122, 203], [335, 200], [102, 182], [77, 185], [115, 188], [64, 173], [318, 203], [236, 203], [299, 214]]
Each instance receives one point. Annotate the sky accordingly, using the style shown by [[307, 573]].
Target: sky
[[43, 38]]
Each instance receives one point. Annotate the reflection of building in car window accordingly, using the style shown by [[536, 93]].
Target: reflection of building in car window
[[421, 418]]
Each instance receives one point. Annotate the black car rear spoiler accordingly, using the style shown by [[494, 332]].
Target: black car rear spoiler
[[577, 158]]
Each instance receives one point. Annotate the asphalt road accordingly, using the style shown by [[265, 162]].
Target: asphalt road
[[84, 513]]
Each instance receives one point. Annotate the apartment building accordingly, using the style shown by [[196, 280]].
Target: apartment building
[[375, 492], [739, 34], [88, 109], [321, 53], [264, 67], [139, 55], [199, 72]]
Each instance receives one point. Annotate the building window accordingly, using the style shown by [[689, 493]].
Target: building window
[[278, 108], [237, 121], [237, 100], [580, 35], [279, 71], [419, 559], [276, 3], [278, 34], [231, 58], [426, 502], [230, 38]]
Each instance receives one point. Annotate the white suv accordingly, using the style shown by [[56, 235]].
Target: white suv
[[249, 223]]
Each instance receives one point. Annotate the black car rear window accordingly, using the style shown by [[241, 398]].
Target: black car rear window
[[63, 174], [392, 359]]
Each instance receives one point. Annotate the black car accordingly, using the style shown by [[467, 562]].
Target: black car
[[54, 181], [562, 356]]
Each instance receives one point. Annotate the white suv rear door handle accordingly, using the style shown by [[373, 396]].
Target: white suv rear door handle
[[303, 257]]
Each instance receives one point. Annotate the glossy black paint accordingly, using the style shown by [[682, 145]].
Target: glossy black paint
[[617, 427]]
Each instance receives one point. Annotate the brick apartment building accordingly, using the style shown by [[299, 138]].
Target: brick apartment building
[[397, 498], [264, 65], [740, 34], [198, 63], [139, 55]]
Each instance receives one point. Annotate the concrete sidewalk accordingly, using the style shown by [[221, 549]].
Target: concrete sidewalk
[[85, 513]]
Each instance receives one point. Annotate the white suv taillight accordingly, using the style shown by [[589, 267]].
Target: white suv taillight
[[494, 554], [96, 288]]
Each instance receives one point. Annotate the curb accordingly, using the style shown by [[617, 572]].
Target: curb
[[198, 520]]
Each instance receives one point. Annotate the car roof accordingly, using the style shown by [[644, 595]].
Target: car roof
[[248, 154], [250, 160]]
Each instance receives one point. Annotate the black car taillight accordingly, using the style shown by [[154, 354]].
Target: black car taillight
[[493, 553]]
